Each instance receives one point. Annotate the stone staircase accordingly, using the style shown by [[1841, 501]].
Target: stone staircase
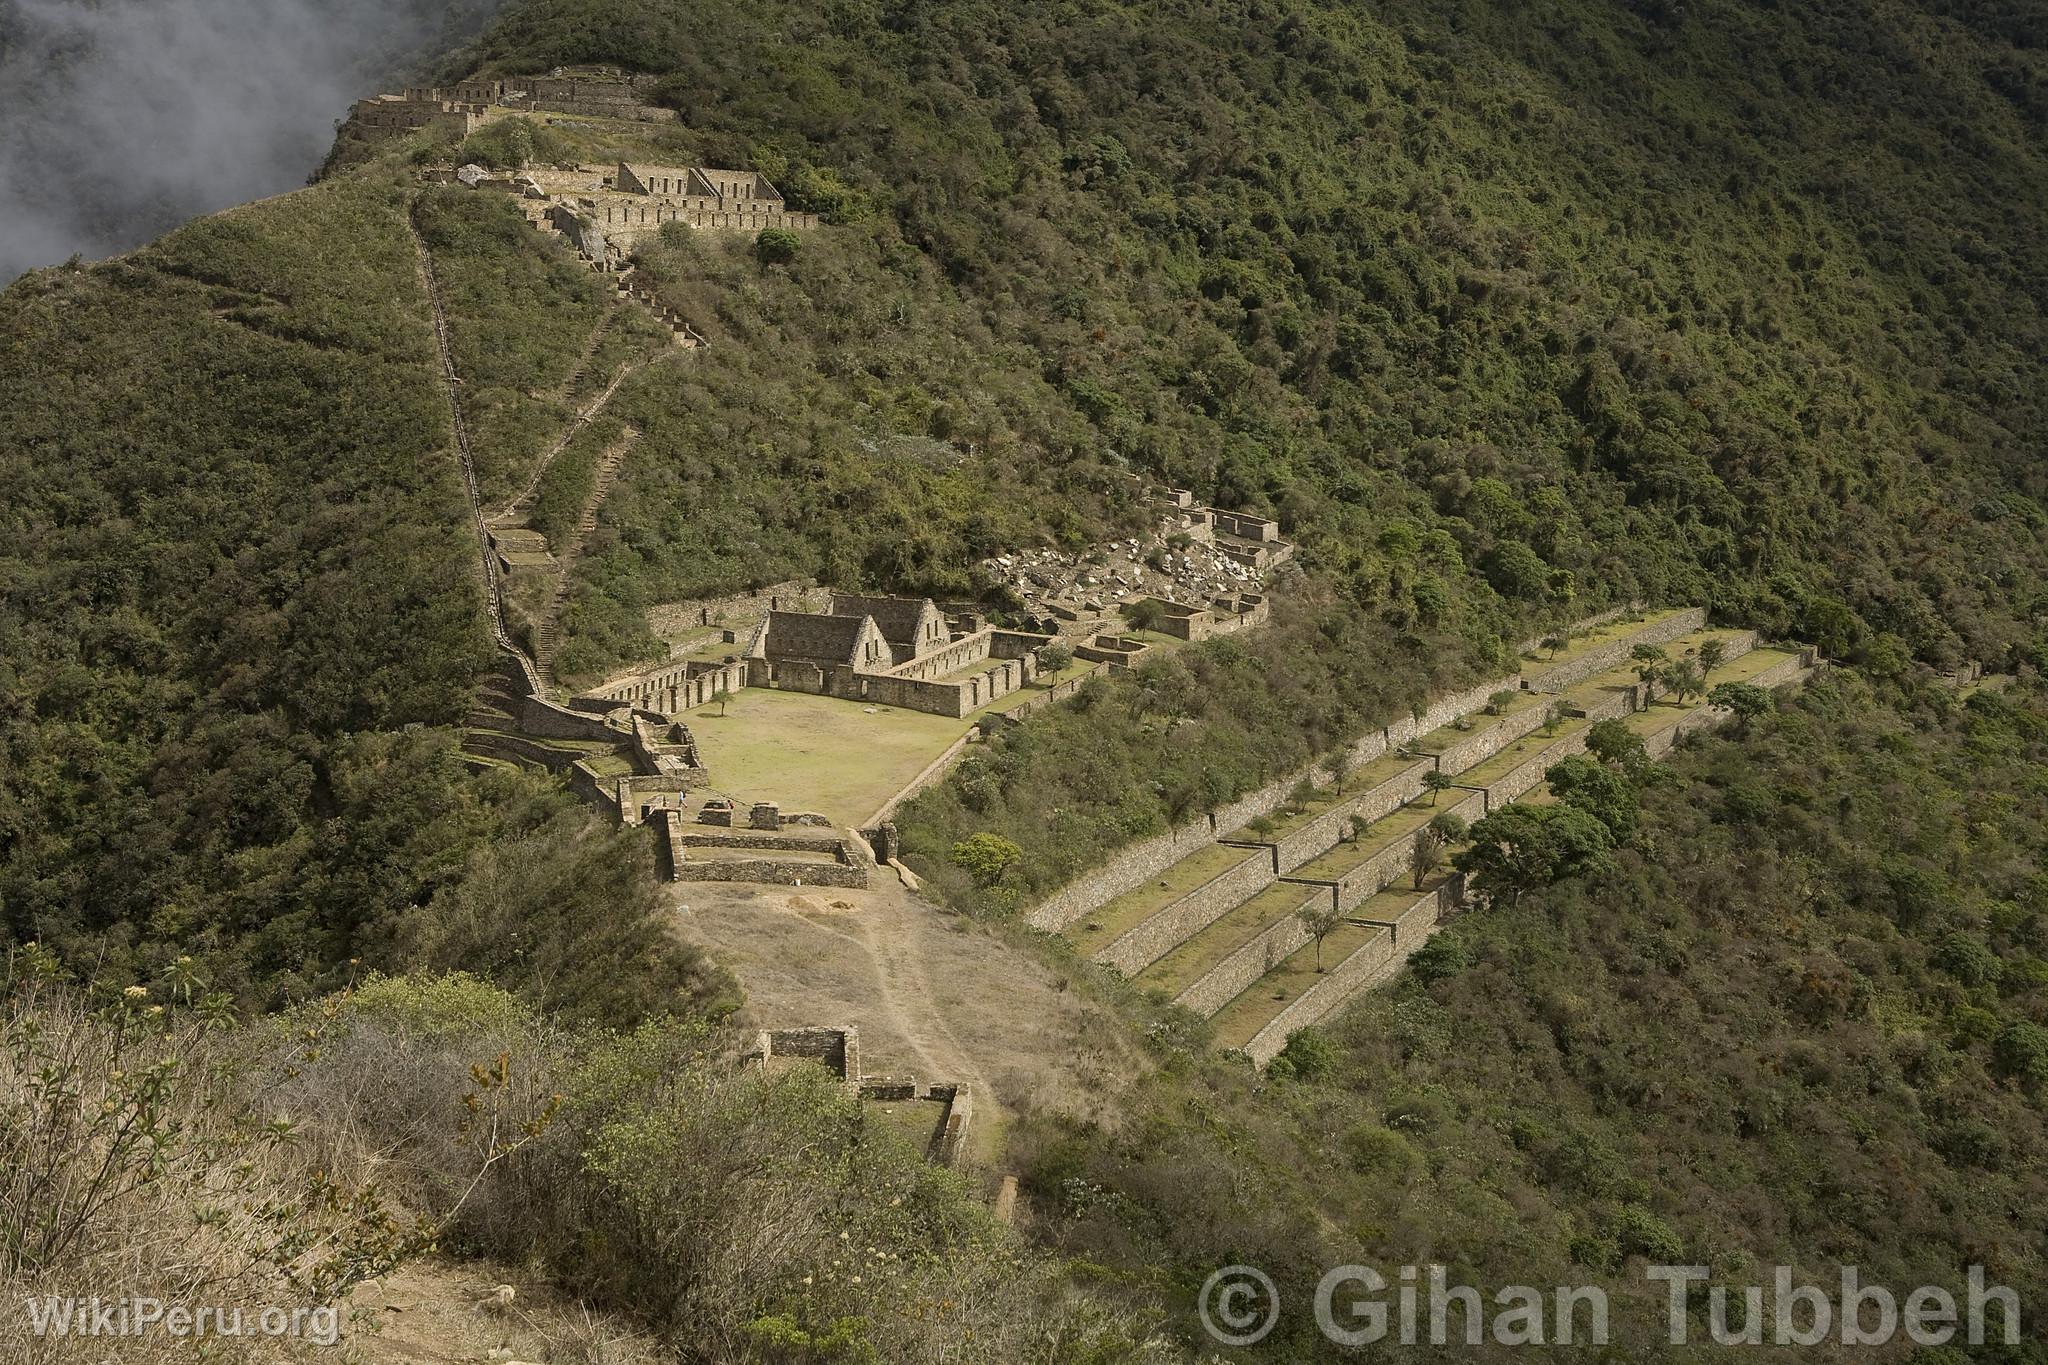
[[580, 374], [547, 629]]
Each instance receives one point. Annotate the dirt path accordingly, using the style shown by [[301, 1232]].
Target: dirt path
[[524, 501], [934, 995]]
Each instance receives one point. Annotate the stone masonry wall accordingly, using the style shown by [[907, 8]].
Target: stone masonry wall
[[1373, 962], [852, 876], [1266, 950], [1322, 834], [1483, 743], [1570, 673], [1160, 932]]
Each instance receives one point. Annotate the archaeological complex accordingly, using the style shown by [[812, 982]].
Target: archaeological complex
[[1228, 915]]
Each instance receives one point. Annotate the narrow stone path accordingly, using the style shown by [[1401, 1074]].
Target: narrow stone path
[[523, 503], [494, 592], [548, 628]]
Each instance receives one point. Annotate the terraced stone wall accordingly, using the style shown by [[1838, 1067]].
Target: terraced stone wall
[[1159, 934]]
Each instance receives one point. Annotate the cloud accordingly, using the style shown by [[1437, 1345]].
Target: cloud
[[126, 117]]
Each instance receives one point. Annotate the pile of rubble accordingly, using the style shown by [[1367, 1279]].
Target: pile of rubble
[[1174, 562]]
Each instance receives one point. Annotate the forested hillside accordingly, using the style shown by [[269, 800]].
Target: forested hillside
[[1715, 301], [1799, 1017], [1507, 312]]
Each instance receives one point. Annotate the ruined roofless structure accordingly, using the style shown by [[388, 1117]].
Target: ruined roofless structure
[[896, 651]]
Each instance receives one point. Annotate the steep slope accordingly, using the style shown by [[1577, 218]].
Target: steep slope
[[241, 594], [1588, 288]]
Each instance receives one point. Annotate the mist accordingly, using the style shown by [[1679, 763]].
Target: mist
[[120, 119]]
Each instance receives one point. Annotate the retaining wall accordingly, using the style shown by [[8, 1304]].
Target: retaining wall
[[1266, 950], [1372, 963], [1160, 932], [951, 1138], [835, 1049], [1321, 834], [1571, 672], [849, 875], [1483, 743]]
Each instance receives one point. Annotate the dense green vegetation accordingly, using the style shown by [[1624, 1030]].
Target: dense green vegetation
[[1528, 278], [1507, 312], [1795, 1018], [239, 564]]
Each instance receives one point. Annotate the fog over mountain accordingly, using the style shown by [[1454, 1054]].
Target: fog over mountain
[[127, 117]]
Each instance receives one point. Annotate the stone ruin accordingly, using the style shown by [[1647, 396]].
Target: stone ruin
[[893, 651], [838, 1051], [464, 107], [1202, 569]]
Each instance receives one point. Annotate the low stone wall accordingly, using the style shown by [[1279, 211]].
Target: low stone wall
[[1535, 643], [1322, 834], [1266, 950], [668, 829], [930, 773], [1571, 672], [835, 1049], [549, 721], [1486, 741], [520, 749], [851, 876], [951, 1139], [1161, 932], [1056, 693], [803, 843], [1373, 963]]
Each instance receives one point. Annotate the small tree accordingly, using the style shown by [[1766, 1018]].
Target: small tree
[[1499, 701], [1746, 700], [1650, 661], [722, 696], [1713, 653], [1552, 644], [1435, 782], [986, 857], [1308, 1055], [1144, 614], [1449, 826], [1683, 678], [776, 246], [1319, 918], [1519, 848], [1613, 743], [1340, 763], [1054, 657], [1426, 854]]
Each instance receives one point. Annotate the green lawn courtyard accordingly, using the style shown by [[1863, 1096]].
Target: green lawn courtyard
[[842, 759]]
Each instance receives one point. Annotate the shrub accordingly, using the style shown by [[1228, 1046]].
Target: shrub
[[986, 857], [1443, 956], [2021, 1052], [1309, 1055], [777, 246], [1968, 959]]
